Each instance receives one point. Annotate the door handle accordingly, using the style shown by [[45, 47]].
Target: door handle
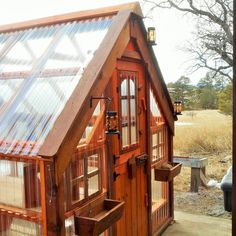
[[142, 159]]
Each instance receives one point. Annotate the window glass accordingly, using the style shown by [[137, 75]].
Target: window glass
[[156, 189], [85, 174], [77, 180], [93, 163], [132, 86], [93, 184], [128, 100], [90, 127], [78, 190], [17, 226], [20, 184], [70, 226], [125, 137], [124, 87]]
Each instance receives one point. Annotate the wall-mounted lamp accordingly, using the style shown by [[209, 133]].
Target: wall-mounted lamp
[[178, 107], [111, 116], [151, 35], [111, 122]]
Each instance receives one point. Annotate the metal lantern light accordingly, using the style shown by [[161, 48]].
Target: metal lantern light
[[111, 116], [111, 122], [178, 107], [151, 35]]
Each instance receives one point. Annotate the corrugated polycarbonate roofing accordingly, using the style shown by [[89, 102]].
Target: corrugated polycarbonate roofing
[[39, 69]]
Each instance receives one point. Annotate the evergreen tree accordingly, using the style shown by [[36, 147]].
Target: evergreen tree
[[225, 100]]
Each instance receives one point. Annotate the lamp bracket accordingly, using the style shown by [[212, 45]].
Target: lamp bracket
[[104, 98]]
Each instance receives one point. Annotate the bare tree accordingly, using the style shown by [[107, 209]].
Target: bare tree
[[212, 46]]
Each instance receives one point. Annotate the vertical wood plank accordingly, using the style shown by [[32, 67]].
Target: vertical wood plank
[[148, 147], [43, 198], [51, 200]]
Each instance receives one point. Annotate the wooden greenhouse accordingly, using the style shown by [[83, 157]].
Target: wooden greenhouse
[[86, 127]]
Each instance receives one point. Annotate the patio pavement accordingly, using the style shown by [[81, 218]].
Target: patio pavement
[[198, 225]]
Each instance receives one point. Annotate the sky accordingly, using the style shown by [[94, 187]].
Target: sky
[[172, 29]]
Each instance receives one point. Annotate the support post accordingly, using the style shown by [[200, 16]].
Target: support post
[[195, 179], [234, 126], [51, 200]]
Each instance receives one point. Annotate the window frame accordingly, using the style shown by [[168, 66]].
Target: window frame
[[130, 146], [71, 204]]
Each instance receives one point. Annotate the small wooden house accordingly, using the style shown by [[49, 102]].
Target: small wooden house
[[86, 124]]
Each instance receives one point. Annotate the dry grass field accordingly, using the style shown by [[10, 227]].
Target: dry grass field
[[203, 133]]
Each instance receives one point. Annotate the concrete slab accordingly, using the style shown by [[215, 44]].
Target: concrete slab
[[198, 225]]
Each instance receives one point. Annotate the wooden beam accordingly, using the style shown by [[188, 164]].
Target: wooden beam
[[43, 198], [21, 213], [51, 200], [153, 70], [75, 16], [42, 74]]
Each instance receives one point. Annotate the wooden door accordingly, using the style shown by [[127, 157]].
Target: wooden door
[[130, 154]]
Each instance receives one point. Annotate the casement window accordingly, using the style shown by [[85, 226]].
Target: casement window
[[159, 144], [128, 109], [85, 176]]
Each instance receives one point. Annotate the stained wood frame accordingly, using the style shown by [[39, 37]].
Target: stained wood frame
[[92, 84], [85, 177], [64, 137], [130, 146]]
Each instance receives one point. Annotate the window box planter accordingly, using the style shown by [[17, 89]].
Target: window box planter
[[167, 172], [98, 218]]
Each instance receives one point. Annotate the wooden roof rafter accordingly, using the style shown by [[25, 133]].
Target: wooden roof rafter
[[42, 74]]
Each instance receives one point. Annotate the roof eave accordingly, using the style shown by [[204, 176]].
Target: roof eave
[[139, 33]]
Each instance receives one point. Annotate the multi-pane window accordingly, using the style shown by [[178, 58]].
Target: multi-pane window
[[128, 111], [158, 131], [20, 184], [159, 155], [158, 142], [85, 176], [20, 197]]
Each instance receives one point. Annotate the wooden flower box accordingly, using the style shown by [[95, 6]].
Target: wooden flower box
[[99, 218], [167, 172]]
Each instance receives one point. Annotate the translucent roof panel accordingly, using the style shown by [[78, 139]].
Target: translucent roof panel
[[39, 70]]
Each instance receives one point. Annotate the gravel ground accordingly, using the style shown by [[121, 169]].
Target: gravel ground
[[208, 200]]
